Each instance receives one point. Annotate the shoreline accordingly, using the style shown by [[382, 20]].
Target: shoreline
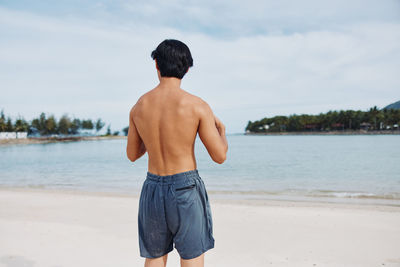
[[298, 202], [343, 132], [101, 230], [46, 140]]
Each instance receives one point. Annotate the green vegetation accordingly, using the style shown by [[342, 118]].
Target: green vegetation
[[126, 130], [48, 125], [6, 125], [108, 130], [373, 119]]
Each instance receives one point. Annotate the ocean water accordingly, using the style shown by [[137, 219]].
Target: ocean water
[[344, 168]]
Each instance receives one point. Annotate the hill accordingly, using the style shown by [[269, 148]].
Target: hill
[[395, 105]]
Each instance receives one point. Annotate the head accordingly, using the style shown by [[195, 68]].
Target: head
[[173, 58]]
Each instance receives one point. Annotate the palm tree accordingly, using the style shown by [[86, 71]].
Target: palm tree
[[99, 125], [2, 122]]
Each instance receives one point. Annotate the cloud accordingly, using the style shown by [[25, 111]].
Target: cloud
[[92, 67], [224, 18]]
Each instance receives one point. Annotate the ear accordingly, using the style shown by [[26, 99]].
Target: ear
[[187, 70], [156, 65]]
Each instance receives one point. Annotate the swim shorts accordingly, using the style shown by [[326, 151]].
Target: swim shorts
[[174, 209]]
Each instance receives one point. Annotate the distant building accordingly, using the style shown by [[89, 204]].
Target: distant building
[[13, 135], [311, 126], [365, 125], [337, 125]]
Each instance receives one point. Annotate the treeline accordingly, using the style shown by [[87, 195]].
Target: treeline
[[373, 119], [48, 125]]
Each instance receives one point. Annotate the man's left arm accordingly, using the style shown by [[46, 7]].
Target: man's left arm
[[135, 147]]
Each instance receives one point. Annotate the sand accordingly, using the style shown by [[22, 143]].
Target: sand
[[45, 140], [45, 228]]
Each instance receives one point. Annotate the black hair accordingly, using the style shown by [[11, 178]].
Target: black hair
[[173, 58]]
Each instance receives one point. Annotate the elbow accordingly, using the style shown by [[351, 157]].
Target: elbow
[[220, 159], [221, 156], [131, 157]]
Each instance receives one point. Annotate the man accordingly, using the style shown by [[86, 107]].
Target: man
[[173, 204]]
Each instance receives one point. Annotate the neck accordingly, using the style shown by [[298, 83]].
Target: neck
[[170, 82]]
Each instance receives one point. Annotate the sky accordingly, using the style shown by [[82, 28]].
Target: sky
[[252, 59]]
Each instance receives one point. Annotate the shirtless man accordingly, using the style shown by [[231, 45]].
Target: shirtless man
[[173, 205]]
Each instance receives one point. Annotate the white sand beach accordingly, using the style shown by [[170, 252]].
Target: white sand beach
[[43, 228]]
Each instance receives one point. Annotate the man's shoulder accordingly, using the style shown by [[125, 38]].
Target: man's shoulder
[[197, 102], [201, 107], [142, 100]]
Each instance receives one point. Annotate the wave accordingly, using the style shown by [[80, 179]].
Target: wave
[[350, 194], [312, 193]]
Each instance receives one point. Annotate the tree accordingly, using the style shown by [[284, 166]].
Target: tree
[[9, 125], [64, 125], [87, 124], [332, 120], [2, 122], [45, 124], [108, 130], [75, 126], [126, 129], [35, 124], [248, 127], [21, 125], [51, 125], [293, 123], [42, 123], [99, 125]]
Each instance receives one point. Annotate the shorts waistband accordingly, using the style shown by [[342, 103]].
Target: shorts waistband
[[173, 177]]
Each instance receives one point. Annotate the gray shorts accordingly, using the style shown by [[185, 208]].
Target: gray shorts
[[174, 209]]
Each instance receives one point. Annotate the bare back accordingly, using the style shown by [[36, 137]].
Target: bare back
[[167, 121], [164, 123]]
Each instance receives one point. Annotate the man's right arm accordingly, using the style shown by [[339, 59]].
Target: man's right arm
[[212, 133]]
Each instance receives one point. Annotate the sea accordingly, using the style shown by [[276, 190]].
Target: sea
[[363, 169]]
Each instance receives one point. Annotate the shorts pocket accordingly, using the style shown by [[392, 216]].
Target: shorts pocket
[[186, 192], [185, 187]]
